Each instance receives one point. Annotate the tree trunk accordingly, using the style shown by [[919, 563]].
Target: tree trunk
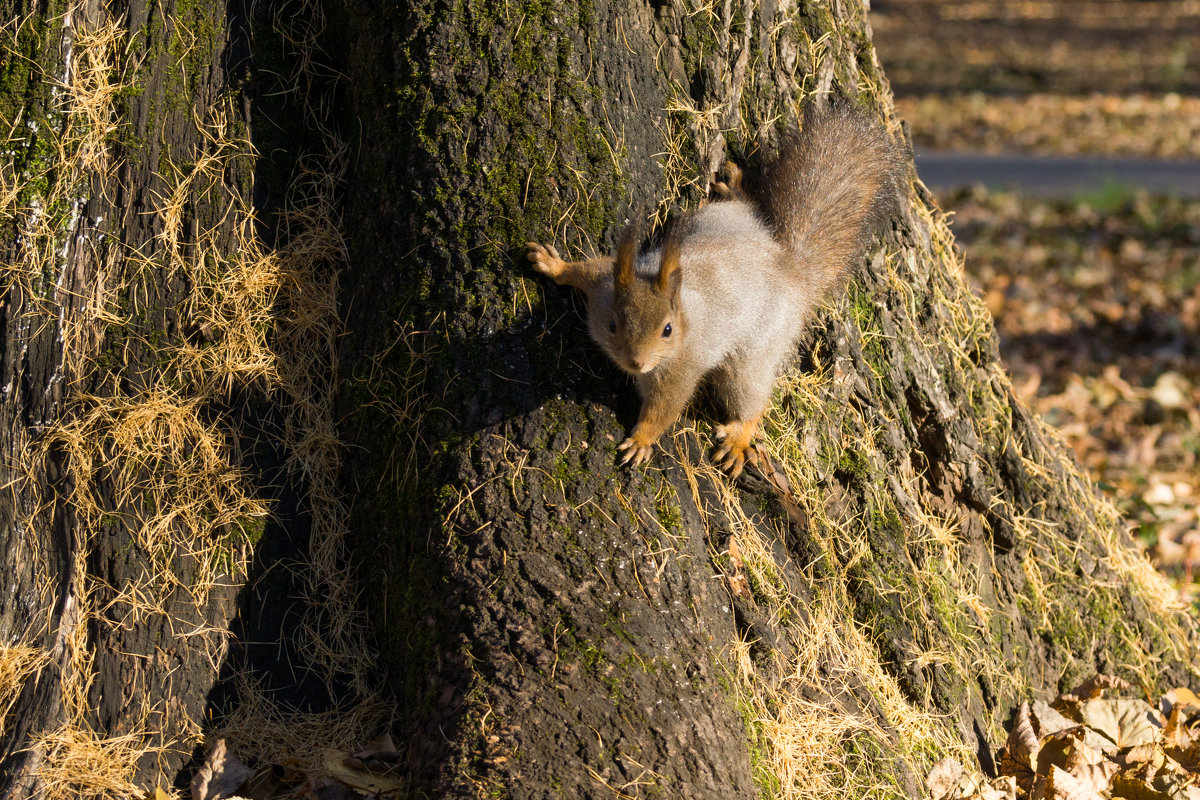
[[556, 626], [920, 555], [145, 385]]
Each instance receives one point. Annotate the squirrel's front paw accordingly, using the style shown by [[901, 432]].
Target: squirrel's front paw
[[545, 259], [637, 450]]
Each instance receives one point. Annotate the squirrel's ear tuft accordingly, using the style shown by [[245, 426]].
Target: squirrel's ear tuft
[[670, 277], [623, 271]]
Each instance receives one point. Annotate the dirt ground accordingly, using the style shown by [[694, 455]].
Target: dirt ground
[[1096, 298]]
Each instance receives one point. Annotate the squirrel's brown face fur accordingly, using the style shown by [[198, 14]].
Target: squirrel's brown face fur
[[647, 324]]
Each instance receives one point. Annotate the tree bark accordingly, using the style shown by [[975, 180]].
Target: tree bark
[[918, 556], [127, 519], [555, 626]]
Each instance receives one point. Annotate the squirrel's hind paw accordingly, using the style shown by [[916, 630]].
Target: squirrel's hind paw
[[732, 460], [545, 259], [735, 449], [731, 187]]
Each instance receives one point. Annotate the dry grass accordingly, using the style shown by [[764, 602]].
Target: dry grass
[[801, 746], [333, 634], [94, 77], [80, 765], [46, 197], [152, 463], [267, 732], [18, 663]]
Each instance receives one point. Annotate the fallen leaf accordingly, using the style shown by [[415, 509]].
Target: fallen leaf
[[1096, 685], [1061, 785], [1184, 698], [1019, 757], [1130, 788], [1125, 722], [1082, 752], [1004, 788], [1189, 758], [220, 776], [1177, 787], [1048, 720], [1171, 390], [1141, 754], [1097, 777], [338, 764], [943, 778], [1159, 494], [380, 755]]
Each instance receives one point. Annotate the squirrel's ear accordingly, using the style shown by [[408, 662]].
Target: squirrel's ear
[[670, 276], [623, 272]]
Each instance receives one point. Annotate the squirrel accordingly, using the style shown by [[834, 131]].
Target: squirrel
[[729, 294]]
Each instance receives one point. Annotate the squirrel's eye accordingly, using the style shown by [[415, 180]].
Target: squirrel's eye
[[667, 331], [612, 326]]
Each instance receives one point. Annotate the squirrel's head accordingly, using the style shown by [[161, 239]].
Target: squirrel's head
[[646, 322]]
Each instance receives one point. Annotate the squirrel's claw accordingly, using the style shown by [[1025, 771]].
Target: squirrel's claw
[[636, 453], [731, 187], [545, 259], [735, 448], [731, 459]]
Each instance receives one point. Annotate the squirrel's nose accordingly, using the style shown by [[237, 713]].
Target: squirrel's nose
[[636, 363]]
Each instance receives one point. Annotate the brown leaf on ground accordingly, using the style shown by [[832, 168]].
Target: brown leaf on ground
[[1125, 722], [1047, 720], [379, 756], [1177, 735], [1097, 777], [948, 780], [1132, 788], [1004, 788], [220, 776], [1184, 698], [1061, 785], [342, 765], [1019, 757], [943, 778], [1189, 757]]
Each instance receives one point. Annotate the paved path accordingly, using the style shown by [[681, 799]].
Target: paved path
[[1055, 176]]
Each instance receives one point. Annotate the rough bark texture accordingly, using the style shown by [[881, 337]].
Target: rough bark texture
[[555, 626], [87, 331], [550, 625]]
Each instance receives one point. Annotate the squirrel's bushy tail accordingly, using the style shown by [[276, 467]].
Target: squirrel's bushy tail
[[834, 185]]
